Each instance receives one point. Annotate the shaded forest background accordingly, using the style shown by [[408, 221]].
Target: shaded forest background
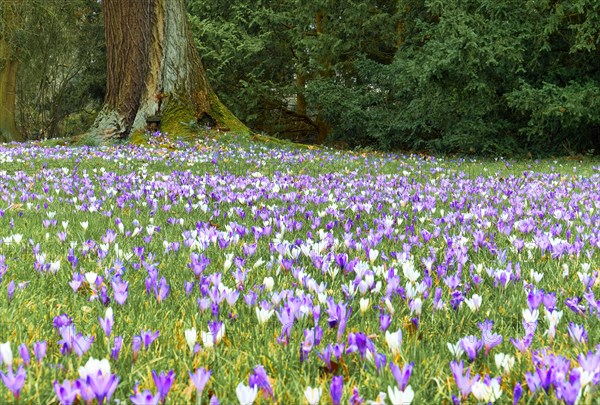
[[450, 76]]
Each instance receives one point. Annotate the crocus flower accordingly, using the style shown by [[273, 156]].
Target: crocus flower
[[260, 379], [66, 392], [39, 349], [136, 344], [517, 393], [263, 315], [488, 392], [24, 352], [355, 398], [578, 333], [6, 354], [148, 337], [10, 290], [145, 398], [385, 321], [504, 362], [14, 382], [190, 338], [118, 342], [120, 291], [471, 345], [245, 394], [200, 378], [163, 383], [402, 375], [313, 395], [394, 341], [336, 389], [401, 397], [108, 321], [463, 381]]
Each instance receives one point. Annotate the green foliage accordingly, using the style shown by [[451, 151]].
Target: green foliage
[[474, 76], [61, 80]]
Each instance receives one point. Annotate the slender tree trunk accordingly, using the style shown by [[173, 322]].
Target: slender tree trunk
[[9, 66], [154, 69]]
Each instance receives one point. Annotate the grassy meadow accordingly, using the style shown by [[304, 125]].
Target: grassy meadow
[[276, 274]]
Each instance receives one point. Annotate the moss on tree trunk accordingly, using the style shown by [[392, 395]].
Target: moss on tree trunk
[[154, 70]]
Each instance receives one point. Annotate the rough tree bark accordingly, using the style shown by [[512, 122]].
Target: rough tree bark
[[154, 69], [9, 66]]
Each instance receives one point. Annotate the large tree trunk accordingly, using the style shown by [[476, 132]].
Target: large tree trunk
[[8, 79], [154, 69]]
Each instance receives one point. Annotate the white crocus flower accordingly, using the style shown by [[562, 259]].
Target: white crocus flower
[[504, 362], [93, 366], [263, 315], [531, 316], [313, 395], [269, 283], [401, 397], [474, 303], [245, 394], [455, 349], [536, 276], [364, 305], [207, 339], [373, 254], [6, 353], [190, 338], [394, 341]]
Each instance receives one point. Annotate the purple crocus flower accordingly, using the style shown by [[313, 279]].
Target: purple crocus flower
[[517, 393], [85, 391], [39, 349], [260, 379], [162, 289], [188, 287], [118, 342], [163, 383], [336, 389], [200, 378], [102, 385], [471, 346], [463, 381], [82, 344], [488, 338], [385, 320], [120, 291], [534, 299], [66, 392], [107, 322], [569, 389], [77, 280], [10, 289], [145, 398], [24, 352], [355, 398], [14, 382], [62, 320], [325, 356], [402, 375], [380, 361], [578, 333], [148, 337], [136, 344], [338, 315], [359, 342]]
